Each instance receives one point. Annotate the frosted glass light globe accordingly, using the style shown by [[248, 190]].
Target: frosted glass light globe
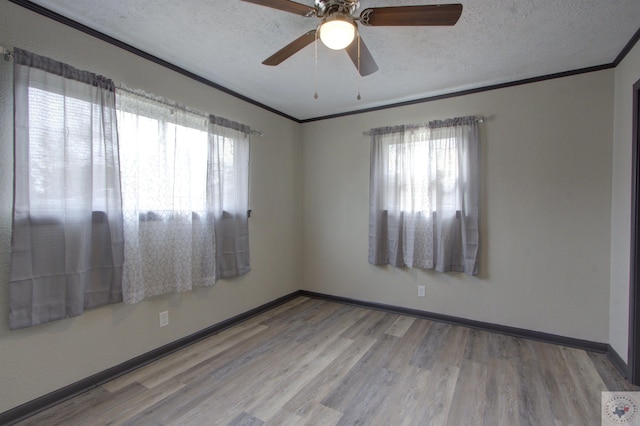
[[337, 32]]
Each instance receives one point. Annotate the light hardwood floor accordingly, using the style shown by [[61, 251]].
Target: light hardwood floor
[[316, 362]]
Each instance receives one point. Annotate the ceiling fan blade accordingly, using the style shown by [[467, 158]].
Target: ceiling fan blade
[[441, 14], [291, 48], [367, 64], [287, 6]]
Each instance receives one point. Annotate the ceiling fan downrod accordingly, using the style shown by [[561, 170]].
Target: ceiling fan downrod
[[329, 7]]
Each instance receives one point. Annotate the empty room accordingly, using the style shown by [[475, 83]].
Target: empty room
[[267, 212]]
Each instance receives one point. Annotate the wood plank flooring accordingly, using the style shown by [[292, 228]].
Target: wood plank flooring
[[314, 362]]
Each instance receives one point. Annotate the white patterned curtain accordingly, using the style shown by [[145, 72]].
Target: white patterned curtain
[[173, 167], [424, 190], [67, 241]]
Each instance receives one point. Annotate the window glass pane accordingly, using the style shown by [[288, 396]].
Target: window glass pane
[[419, 172], [58, 133], [166, 162]]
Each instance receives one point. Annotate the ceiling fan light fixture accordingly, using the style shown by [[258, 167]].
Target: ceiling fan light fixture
[[337, 31]]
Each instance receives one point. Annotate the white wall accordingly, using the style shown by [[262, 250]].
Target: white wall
[[41, 359], [545, 209], [626, 74]]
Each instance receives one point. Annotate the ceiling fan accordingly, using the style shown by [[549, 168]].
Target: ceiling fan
[[338, 27]]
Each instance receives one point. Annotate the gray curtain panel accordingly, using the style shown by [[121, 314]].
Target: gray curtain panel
[[228, 194], [424, 196], [67, 242]]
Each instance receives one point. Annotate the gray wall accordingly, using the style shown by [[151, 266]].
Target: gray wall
[[545, 209], [626, 74], [41, 359]]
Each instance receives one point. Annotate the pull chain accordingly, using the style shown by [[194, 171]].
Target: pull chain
[[315, 95], [359, 75]]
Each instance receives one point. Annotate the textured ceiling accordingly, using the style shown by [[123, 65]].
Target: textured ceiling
[[494, 42]]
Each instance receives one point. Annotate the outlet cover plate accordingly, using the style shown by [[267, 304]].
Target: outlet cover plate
[[164, 318], [421, 290]]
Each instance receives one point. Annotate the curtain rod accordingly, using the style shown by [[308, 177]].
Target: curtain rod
[[173, 104], [8, 56], [479, 119]]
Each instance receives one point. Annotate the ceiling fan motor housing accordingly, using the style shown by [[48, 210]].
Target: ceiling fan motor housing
[[328, 7]]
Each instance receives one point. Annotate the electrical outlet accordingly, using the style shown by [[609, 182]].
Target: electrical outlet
[[421, 291], [164, 318]]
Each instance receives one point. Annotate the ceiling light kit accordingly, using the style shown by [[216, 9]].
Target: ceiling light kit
[[337, 31]]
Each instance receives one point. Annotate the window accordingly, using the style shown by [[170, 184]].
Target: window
[[118, 196], [424, 196], [151, 148], [49, 113], [185, 196], [422, 171]]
